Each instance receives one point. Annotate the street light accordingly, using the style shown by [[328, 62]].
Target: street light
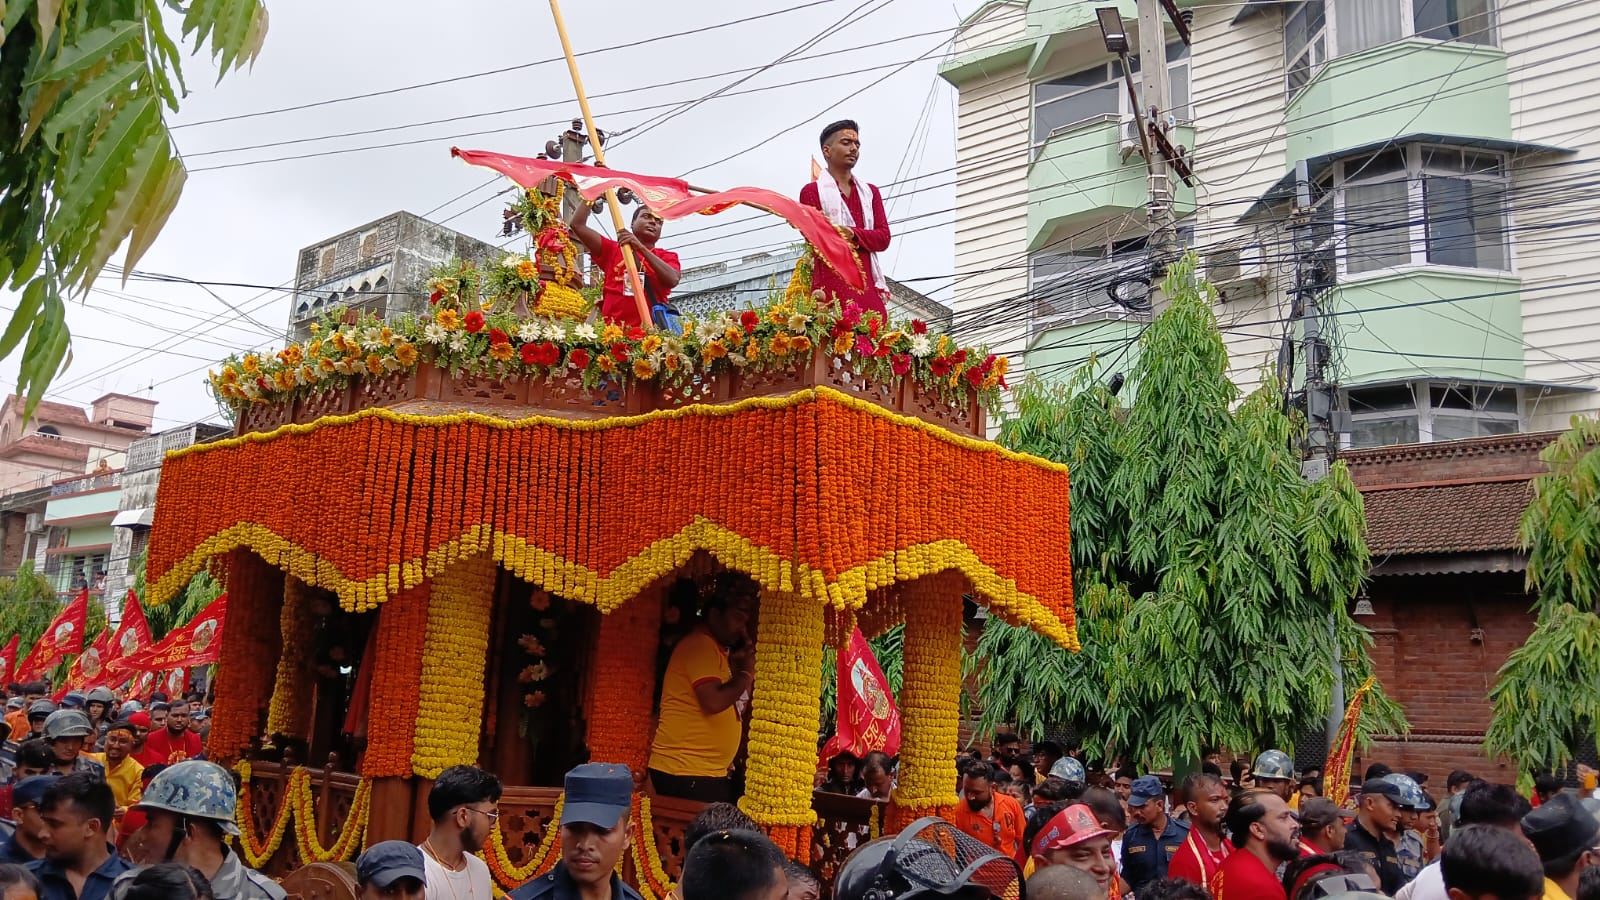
[[1112, 30]]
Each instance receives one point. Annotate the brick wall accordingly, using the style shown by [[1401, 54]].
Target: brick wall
[[1429, 661], [13, 535]]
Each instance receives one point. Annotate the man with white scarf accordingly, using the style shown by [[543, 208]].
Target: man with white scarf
[[841, 197]]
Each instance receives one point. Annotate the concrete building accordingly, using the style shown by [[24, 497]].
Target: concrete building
[[62, 439], [1449, 149], [381, 266], [750, 281]]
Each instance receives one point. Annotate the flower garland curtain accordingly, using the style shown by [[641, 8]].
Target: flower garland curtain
[[816, 493], [290, 710], [251, 646], [929, 699], [401, 646], [450, 689], [619, 703], [783, 720]]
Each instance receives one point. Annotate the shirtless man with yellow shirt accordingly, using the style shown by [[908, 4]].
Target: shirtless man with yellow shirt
[[711, 668]]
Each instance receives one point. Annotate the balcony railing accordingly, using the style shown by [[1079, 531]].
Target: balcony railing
[[95, 482]]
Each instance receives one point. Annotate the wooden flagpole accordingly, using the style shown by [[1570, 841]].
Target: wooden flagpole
[[600, 160]]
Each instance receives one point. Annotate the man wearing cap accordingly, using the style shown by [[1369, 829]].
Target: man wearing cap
[[1149, 846], [24, 846], [1264, 834], [141, 735], [391, 870], [1377, 815], [1481, 803], [1323, 825], [465, 806], [710, 669], [66, 731], [595, 832], [1567, 839], [993, 817], [1072, 836], [38, 711], [1204, 848], [190, 809], [1274, 771]]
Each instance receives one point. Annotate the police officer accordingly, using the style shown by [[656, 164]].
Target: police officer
[[66, 731], [190, 808], [1071, 771], [1378, 814], [595, 832], [1149, 845], [38, 711], [1274, 771], [1410, 848], [391, 869]]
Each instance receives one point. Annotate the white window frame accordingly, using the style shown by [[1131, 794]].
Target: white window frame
[[1117, 256], [1347, 172], [1404, 10], [1113, 78], [1424, 410]]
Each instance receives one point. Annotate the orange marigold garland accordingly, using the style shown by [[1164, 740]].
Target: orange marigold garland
[[451, 686], [508, 875], [396, 680], [929, 699], [621, 700], [258, 851], [290, 710], [783, 718], [249, 653]]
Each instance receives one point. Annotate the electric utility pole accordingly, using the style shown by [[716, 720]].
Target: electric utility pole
[[1157, 93]]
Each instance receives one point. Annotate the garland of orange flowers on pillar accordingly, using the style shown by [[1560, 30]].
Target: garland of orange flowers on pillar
[[783, 721], [929, 699], [450, 689], [289, 712], [249, 652], [396, 676], [622, 699]]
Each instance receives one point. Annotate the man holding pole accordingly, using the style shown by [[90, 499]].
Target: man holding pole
[[659, 269], [857, 209]]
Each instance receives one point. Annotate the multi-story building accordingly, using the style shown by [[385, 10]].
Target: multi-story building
[[381, 266], [1448, 152], [750, 281]]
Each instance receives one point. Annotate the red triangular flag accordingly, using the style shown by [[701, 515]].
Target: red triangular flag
[[8, 660], [195, 644], [133, 632], [867, 718], [89, 669], [64, 636]]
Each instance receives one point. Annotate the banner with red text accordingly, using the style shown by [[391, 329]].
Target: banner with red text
[[89, 669], [195, 644]]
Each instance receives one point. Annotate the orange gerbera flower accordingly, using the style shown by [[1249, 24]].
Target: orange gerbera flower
[[406, 353], [501, 352], [447, 319], [374, 364], [642, 368]]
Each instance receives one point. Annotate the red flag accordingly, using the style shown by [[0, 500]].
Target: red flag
[[8, 660], [1336, 777], [64, 636], [195, 644], [867, 717], [670, 198], [133, 632], [176, 683], [89, 669]]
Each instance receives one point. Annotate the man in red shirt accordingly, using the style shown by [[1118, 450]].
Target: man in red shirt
[[174, 743], [659, 269], [842, 198], [1265, 835], [1205, 849], [993, 818]]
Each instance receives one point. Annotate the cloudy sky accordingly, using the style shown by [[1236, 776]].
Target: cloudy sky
[[243, 216]]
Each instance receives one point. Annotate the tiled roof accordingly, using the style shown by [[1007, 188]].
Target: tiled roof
[[1475, 517]]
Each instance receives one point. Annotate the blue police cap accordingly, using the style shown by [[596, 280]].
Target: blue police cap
[[387, 861], [597, 793], [31, 790], [1145, 789]]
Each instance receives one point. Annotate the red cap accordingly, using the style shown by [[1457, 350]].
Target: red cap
[[140, 718], [1071, 826]]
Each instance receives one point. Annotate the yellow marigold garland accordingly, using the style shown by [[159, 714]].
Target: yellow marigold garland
[[348, 842], [450, 697], [784, 713], [651, 869], [510, 876], [290, 710], [257, 852], [929, 699]]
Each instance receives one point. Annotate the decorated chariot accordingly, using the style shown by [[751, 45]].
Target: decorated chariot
[[464, 536]]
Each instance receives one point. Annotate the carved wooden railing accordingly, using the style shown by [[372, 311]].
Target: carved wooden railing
[[333, 793], [430, 389]]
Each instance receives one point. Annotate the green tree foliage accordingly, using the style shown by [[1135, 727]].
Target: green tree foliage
[[1547, 696], [1206, 569], [28, 603], [888, 648], [180, 610], [86, 159]]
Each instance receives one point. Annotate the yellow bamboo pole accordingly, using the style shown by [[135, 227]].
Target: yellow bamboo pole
[[600, 160]]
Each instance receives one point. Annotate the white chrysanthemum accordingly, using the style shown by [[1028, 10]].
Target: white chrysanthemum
[[921, 346], [528, 332], [797, 322], [738, 359], [555, 331], [585, 332], [458, 342], [434, 333], [511, 261]]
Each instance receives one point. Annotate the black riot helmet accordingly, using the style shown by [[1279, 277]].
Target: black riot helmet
[[930, 858]]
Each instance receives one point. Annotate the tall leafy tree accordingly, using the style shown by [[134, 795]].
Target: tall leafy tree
[[180, 610], [1547, 696], [1211, 579], [28, 603], [86, 158]]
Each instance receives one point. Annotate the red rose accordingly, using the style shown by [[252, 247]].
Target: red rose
[[919, 327], [635, 333], [958, 357], [578, 358], [530, 354], [474, 321], [496, 336], [901, 364], [436, 296], [748, 320], [975, 376], [988, 364], [619, 352]]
